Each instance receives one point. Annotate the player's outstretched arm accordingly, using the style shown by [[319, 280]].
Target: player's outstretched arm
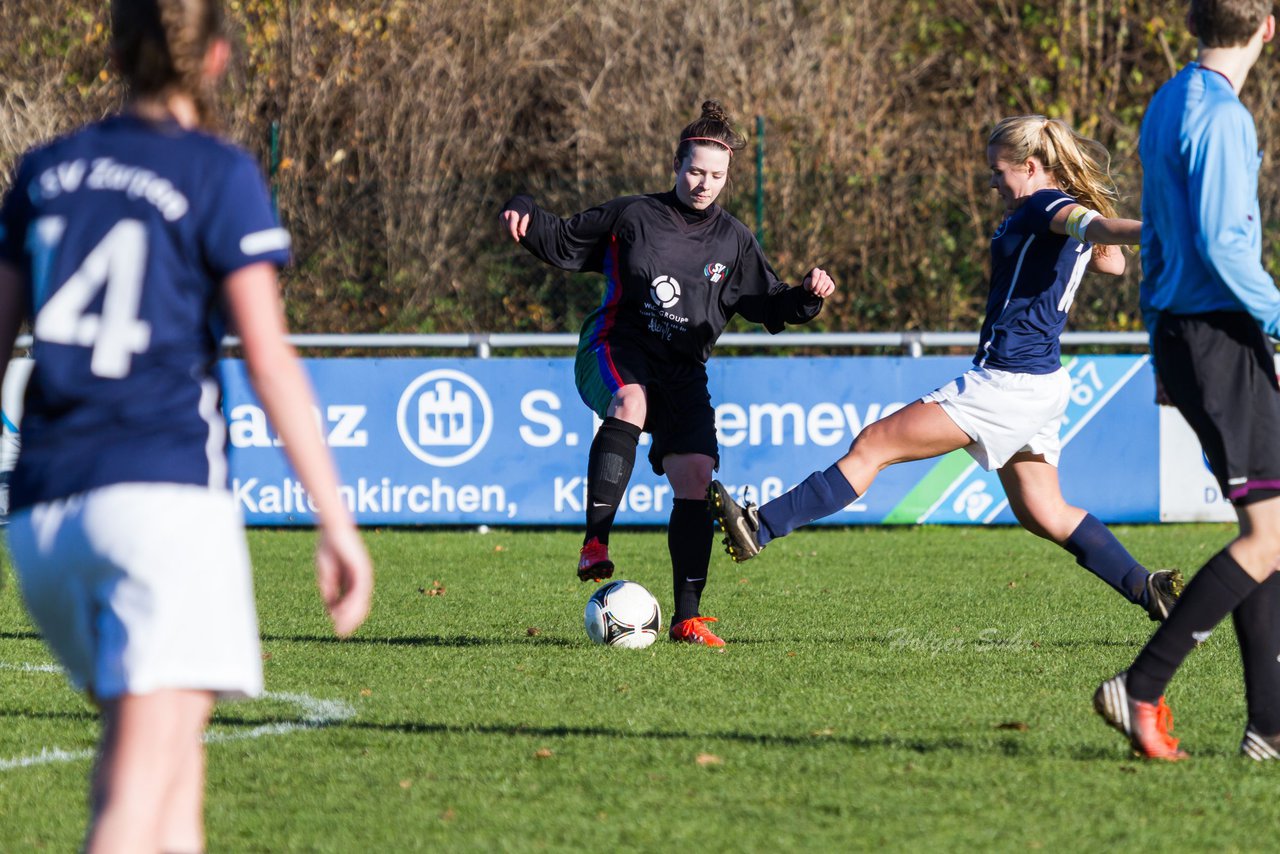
[[1089, 226], [344, 572]]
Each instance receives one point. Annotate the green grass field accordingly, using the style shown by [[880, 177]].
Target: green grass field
[[882, 688]]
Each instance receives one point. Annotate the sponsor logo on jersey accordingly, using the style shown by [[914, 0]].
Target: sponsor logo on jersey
[[664, 291], [715, 271], [444, 417]]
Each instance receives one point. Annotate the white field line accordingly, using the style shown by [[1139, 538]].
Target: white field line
[[31, 668], [315, 713]]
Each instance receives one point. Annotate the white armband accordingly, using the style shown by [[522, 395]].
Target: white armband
[[1078, 222]]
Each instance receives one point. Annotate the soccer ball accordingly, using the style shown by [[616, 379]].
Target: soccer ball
[[622, 613]]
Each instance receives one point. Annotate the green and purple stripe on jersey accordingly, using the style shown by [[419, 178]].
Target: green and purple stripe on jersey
[[595, 374]]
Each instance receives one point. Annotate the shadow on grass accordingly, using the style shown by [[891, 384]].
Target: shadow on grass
[[1009, 747], [19, 636], [424, 640], [20, 714]]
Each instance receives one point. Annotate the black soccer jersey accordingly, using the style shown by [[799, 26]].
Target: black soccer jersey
[[674, 277]]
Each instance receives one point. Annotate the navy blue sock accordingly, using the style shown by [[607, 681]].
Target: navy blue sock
[[1097, 550], [817, 496]]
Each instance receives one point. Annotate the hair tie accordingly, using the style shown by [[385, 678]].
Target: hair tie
[[709, 139]]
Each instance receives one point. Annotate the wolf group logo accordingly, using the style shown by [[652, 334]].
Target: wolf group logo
[[715, 271], [665, 291], [444, 418]]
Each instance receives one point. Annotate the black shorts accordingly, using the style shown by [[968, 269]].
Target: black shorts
[[680, 418], [1218, 368]]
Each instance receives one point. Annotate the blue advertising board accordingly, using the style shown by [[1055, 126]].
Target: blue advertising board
[[504, 441]]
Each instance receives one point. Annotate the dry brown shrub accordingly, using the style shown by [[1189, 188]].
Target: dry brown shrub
[[404, 124]]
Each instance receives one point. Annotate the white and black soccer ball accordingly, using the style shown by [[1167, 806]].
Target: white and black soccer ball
[[622, 613]]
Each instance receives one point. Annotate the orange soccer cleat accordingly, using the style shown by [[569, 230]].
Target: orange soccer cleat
[[593, 562], [1147, 725], [694, 630]]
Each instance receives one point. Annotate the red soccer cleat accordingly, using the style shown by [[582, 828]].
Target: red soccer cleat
[[1147, 725], [593, 562], [694, 630]]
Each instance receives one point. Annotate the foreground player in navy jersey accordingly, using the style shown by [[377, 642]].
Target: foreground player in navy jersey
[[1006, 411], [677, 269], [126, 244], [1210, 304]]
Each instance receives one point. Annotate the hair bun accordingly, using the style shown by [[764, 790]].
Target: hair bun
[[713, 110]]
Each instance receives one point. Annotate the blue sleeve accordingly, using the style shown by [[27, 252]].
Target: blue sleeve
[[239, 227], [1223, 184], [1042, 207]]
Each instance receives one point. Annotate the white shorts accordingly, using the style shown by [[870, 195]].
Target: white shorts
[[1006, 413], [139, 587]]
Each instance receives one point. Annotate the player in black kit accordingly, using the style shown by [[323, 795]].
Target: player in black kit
[[677, 268]]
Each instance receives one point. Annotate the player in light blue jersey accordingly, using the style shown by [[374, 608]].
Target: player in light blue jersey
[[128, 245], [1006, 412], [1209, 305]]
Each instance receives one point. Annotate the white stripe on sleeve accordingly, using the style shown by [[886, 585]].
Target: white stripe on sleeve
[[261, 242]]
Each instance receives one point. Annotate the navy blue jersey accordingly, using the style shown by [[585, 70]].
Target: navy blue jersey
[[124, 232], [1034, 276]]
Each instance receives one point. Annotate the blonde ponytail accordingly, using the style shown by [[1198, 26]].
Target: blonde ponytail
[[1080, 166]]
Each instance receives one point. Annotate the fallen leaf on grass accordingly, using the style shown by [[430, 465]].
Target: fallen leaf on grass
[[705, 759], [825, 732], [533, 631], [1013, 584], [448, 815], [436, 589], [499, 548], [404, 784], [542, 753], [1014, 725], [366, 692]]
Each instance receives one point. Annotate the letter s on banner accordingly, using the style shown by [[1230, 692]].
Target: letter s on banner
[[529, 408]]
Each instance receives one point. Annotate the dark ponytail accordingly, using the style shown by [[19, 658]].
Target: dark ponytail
[[160, 46]]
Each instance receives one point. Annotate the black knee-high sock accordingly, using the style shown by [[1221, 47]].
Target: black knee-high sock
[[609, 464], [689, 537], [1215, 591], [1257, 621]]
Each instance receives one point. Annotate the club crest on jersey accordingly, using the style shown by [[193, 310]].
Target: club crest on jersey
[[664, 291], [715, 271]]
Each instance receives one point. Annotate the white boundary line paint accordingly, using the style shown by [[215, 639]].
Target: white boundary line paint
[[315, 714], [31, 668]]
